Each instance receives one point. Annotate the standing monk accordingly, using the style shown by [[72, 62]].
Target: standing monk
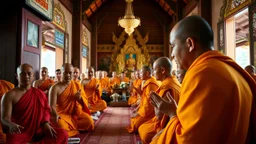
[[25, 113], [44, 83], [162, 68], [251, 70], [69, 105], [217, 103], [136, 83], [145, 110], [76, 74], [92, 93]]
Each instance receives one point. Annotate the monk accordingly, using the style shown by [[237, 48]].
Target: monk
[[251, 70], [104, 87], [76, 74], [180, 74], [162, 68], [92, 93], [25, 113], [69, 105], [145, 110], [44, 83], [217, 103], [105, 76], [58, 75], [123, 78], [136, 83], [115, 80], [5, 86]]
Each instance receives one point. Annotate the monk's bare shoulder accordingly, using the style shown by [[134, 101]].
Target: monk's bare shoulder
[[85, 81], [14, 95]]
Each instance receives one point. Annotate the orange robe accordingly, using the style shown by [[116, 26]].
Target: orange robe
[[31, 112], [115, 80], [126, 79], [73, 115], [103, 84], [134, 96], [44, 86], [216, 102], [146, 110], [5, 86], [94, 97], [148, 130]]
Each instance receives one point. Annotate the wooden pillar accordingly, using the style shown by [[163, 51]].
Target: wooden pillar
[[205, 10], [166, 40], [94, 40], [77, 34]]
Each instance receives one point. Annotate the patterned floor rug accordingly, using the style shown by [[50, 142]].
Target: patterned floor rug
[[111, 128]]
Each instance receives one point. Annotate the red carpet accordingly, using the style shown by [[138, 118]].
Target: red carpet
[[111, 128]]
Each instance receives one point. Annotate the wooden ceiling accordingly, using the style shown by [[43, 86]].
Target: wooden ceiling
[[91, 6]]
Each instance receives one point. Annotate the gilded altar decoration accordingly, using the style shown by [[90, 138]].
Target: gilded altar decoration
[[59, 17], [131, 56], [84, 37], [235, 5]]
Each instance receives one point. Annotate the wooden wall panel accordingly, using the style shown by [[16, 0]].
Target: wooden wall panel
[[33, 60]]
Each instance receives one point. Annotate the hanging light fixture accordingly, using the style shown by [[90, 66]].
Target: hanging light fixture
[[129, 22]]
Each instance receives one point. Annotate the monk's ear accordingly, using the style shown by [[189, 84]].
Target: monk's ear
[[162, 70], [190, 44]]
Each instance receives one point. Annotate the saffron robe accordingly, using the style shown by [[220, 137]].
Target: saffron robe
[[73, 115], [126, 79], [148, 130], [94, 97], [115, 80], [30, 112], [103, 84], [45, 85], [5, 86], [217, 103], [134, 96], [146, 110]]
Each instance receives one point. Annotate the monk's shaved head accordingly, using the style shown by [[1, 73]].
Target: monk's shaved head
[[197, 28], [162, 68], [164, 62], [147, 69], [44, 68], [66, 65], [250, 69], [23, 66]]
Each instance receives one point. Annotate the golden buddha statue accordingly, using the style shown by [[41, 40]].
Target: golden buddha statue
[[130, 63]]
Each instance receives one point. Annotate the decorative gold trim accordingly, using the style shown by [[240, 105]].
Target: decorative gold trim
[[84, 37], [229, 11], [105, 47], [59, 17]]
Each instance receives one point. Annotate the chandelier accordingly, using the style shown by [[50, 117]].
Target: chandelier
[[129, 22]]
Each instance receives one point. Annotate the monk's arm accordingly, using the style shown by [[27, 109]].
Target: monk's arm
[[53, 94], [159, 114], [6, 110], [47, 110]]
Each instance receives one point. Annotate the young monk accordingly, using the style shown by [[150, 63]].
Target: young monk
[[92, 93], [5, 86], [115, 80], [162, 71], [69, 105], [44, 83], [217, 103], [145, 111], [76, 74], [25, 113], [104, 87], [251, 70], [58, 75], [136, 83]]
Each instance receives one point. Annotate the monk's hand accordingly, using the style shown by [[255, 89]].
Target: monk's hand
[[134, 115], [15, 128], [48, 130], [168, 107], [55, 118], [78, 95], [97, 86]]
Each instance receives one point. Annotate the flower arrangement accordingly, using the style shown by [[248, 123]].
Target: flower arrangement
[[123, 85]]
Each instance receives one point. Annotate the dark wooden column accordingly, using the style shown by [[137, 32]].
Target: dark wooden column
[[166, 40], [94, 40], [77, 34], [205, 10]]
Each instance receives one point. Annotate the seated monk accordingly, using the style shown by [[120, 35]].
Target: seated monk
[[251, 70], [44, 83], [5, 86], [105, 76], [76, 74], [91, 88], [136, 83], [145, 111], [25, 113], [69, 105], [162, 71], [104, 87], [115, 80], [123, 78], [217, 97]]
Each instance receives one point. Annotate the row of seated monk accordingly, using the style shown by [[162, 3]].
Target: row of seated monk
[[212, 101]]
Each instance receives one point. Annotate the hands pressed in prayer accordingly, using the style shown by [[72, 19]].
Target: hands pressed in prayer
[[15, 129], [168, 107], [48, 130], [78, 95]]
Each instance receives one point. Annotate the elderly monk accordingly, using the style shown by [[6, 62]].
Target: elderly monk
[[251, 70], [217, 103], [104, 87], [169, 84], [5, 86], [76, 74], [58, 75], [115, 80], [92, 93], [136, 83], [145, 110], [44, 83], [25, 113], [69, 105]]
